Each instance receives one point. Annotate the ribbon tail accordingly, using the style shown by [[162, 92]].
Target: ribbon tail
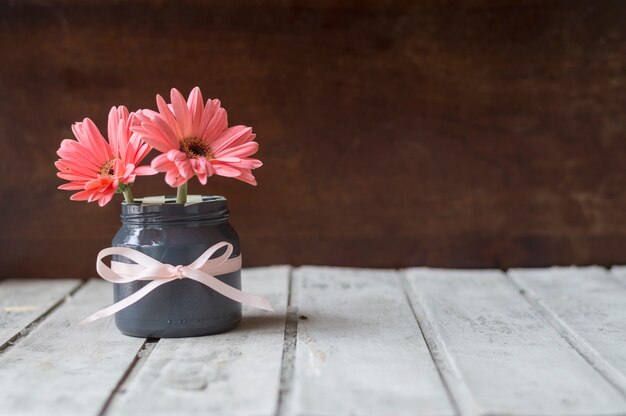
[[127, 301], [229, 291]]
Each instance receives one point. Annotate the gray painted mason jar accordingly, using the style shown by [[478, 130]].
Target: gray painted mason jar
[[177, 234]]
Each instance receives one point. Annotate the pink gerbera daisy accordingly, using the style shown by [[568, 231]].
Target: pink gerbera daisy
[[195, 139], [97, 168]]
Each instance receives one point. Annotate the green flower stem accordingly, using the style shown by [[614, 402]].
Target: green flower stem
[[181, 194], [128, 195]]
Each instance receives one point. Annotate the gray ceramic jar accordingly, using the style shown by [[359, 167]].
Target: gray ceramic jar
[[177, 234]]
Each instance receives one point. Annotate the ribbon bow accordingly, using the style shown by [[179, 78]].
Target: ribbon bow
[[203, 270]]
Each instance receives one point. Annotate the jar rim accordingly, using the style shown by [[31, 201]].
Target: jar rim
[[207, 210], [171, 199]]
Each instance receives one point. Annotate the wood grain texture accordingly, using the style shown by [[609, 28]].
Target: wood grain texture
[[22, 302], [587, 307], [359, 349], [538, 342], [498, 356], [63, 368], [236, 373], [478, 134]]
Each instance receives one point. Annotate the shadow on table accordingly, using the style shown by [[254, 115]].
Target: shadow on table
[[256, 322], [330, 319]]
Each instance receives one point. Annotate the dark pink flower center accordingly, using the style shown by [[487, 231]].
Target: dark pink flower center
[[195, 147]]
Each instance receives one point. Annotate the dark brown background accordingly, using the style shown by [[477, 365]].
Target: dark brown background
[[476, 134]]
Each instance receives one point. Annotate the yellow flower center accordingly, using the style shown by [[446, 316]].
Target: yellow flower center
[[107, 168], [195, 147]]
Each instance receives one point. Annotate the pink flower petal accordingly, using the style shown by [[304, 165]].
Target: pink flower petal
[[185, 169], [142, 149], [248, 163], [106, 198], [243, 150], [145, 171], [124, 173], [229, 137], [73, 176], [75, 158], [86, 145], [162, 163], [196, 107], [176, 155], [76, 168], [225, 170], [247, 177], [168, 132], [113, 130], [99, 184], [174, 179], [203, 178], [217, 124], [95, 142], [72, 186], [150, 133], [226, 159], [168, 116], [82, 195], [118, 129], [199, 166], [181, 111], [209, 110], [135, 150]]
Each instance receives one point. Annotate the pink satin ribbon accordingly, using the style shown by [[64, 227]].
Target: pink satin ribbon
[[202, 270]]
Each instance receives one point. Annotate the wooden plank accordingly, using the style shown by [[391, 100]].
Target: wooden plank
[[619, 273], [588, 308], [359, 348], [24, 301], [64, 368], [496, 352], [237, 372]]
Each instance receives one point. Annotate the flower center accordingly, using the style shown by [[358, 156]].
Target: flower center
[[107, 169], [194, 147]]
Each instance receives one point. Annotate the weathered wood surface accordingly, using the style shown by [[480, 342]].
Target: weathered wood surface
[[64, 368], [22, 302], [496, 352], [587, 306], [341, 342], [619, 273], [359, 349], [235, 373]]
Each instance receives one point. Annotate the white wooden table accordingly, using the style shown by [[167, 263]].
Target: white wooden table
[[341, 342]]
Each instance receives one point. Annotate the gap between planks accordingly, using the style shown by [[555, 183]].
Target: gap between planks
[[140, 358], [433, 350], [288, 359], [436, 351], [290, 337], [15, 339], [360, 349], [481, 402], [133, 369], [577, 341], [451, 377], [136, 382]]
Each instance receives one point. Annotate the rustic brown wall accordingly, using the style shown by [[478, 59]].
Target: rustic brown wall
[[483, 134]]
